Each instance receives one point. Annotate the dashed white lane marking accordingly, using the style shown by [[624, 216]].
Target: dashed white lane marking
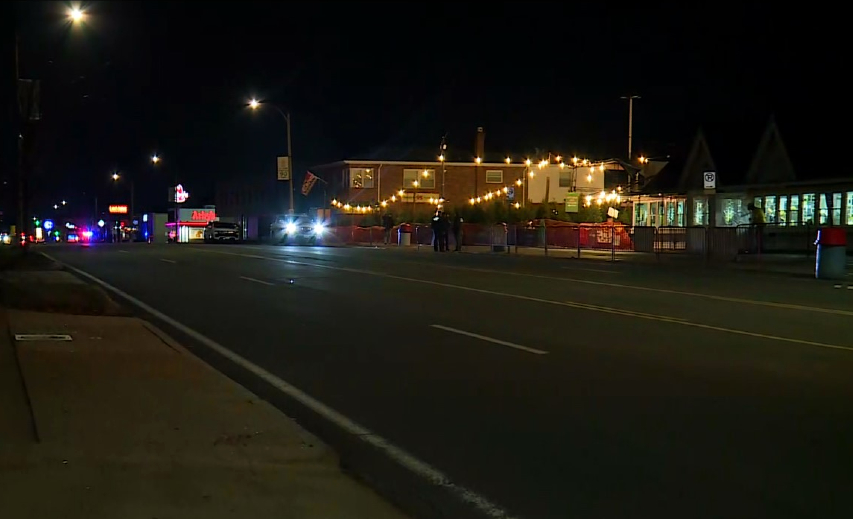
[[168, 260], [571, 304], [490, 339], [257, 281]]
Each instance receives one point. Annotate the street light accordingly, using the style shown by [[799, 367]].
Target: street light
[[64, 202], [254, 104], [115, 177], [155, 159], [75, 14]]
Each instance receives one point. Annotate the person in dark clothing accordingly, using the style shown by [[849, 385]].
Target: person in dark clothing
[[445, 232], [457, 231], [436, 230], [388, 225]]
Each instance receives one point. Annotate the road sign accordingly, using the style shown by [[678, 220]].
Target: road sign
[[709, 179], [283, 168], [573, 202]]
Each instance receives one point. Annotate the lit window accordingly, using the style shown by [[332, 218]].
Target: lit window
[[836, 208], [824, 209], [850, 208], [808, 209], [361, 178], [783, 210], [794, 212], [424, 177], [494, 176], [770, 209], [700, 212]]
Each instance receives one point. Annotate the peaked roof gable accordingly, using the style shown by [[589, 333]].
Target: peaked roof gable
[[771, 163], [698, 161]]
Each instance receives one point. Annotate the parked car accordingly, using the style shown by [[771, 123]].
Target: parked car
[[221, 231], [297, 228]]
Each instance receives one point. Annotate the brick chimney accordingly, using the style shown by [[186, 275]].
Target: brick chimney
[[480, 145]]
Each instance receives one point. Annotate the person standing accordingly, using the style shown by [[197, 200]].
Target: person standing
[[436, 231], [457, 231], [445, 232], [388, 225]]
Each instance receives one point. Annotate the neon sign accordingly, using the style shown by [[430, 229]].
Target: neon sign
[[203, 216], [180, 194], [118, 209]]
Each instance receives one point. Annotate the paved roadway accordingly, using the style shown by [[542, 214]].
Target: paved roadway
[[554, 388]]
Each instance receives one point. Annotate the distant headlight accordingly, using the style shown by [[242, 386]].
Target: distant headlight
[[319, 228], [290, 228]]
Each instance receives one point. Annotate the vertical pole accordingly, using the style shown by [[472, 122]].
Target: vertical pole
[[579, 240], [290, 159], [613, 241], [630, 125], [547, 207], [19, 118], [131, 202]]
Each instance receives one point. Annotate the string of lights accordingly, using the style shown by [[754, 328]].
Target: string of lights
[[575, 163]]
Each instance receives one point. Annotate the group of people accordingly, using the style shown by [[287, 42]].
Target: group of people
[[441, 225]]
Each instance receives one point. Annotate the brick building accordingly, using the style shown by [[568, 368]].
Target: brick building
[[369, 182]]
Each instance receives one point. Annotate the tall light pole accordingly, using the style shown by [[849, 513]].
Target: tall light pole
[[22, 115], [254, 104], [116, 177], [630, 123]]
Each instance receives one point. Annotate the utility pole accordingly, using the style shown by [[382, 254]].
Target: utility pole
[[630, 123], [290, 159], [19, 136]]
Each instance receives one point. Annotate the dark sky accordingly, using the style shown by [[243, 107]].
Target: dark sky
[[173, 77]]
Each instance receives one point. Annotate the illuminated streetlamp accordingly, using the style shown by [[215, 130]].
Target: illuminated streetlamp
[[254, 104], [155, 159], [76, 15]]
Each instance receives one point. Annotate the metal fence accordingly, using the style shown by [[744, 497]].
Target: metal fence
[[715, 243]]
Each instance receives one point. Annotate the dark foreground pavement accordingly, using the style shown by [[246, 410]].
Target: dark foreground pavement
[[550, 388]]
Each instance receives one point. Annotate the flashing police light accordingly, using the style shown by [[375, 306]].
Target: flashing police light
[[48, 225]]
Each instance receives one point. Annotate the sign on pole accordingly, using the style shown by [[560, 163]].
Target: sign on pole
[[283, 168], [308, 184], [573, 202], [709, 179]]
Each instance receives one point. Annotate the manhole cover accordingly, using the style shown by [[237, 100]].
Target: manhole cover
[[42, 337]]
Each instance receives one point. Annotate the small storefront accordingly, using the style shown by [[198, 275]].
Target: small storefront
[[191, 224]]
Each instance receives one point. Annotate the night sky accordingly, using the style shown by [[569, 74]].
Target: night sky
[[173, 78]]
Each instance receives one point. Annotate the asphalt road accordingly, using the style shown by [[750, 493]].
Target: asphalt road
[[554, 388]]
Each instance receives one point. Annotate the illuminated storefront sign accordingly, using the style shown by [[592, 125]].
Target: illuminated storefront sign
[[203, 215], [180, 194], [118, 209]]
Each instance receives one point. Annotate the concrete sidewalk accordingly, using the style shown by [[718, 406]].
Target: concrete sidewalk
[[129, 424]]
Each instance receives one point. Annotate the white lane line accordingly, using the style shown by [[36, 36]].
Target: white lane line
[[771, 304], [582, 306], [124, 251], [258, 281], [420, 468], [592, 270], [489, 339], [168, 260]]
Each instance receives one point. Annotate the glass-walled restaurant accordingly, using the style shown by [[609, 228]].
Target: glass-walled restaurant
[[783, 206]]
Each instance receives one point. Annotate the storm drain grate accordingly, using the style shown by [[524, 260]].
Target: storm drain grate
[[42, 337]]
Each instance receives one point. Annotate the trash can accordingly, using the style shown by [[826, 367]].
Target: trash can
[[404, 234], [499, 238], [831, 257]]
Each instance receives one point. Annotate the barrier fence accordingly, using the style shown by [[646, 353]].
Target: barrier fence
[[715, 243]]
